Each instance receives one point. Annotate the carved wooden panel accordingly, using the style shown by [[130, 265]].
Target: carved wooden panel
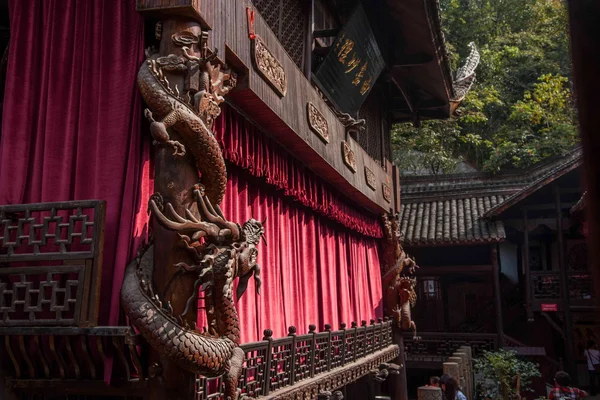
[[37, 296], [348, 156], [58, 248], [387, 192], [370, 178], [317, 122], [269, 67]]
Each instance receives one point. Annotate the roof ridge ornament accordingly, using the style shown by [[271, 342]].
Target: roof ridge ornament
[[465, 75]]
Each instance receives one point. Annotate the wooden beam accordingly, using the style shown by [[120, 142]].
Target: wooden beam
[[453, 269], [412, 60], [324, 33]]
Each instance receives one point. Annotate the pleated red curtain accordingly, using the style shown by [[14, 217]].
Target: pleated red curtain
[[313, 270], [71, 119]]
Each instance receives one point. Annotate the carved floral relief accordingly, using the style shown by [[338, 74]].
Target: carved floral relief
[[370, 178], [269, 67], [317, 122], [348, 155]]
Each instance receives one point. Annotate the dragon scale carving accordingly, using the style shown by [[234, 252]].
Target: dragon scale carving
[[398, 276], [222, 250]]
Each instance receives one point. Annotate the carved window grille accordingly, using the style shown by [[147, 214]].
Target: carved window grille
[[288, 20], [370, 139], [51, 257]]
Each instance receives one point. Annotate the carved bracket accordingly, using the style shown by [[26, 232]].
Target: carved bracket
[[370, 178], [317, 122], [268, 66], [348, 156]]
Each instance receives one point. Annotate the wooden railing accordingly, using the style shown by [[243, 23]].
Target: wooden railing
[[436, 347], [545, 288], [287, 364]]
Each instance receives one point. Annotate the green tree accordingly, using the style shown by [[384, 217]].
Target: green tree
[[500, 371], [520, 109]]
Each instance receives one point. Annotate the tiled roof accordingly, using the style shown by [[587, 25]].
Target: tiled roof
[[453, 209], [454, 221]]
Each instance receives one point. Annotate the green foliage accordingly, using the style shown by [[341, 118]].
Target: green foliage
[[520, 109], [500, 370]]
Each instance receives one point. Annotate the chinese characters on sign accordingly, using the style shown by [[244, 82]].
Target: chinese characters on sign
[[352, 66]]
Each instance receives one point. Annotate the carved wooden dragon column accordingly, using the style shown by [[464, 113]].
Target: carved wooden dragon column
[[399, 284], [194, 247]]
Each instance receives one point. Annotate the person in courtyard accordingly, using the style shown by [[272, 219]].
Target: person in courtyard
[[562, 389], [592, 355], [450, 390], [434, 381]]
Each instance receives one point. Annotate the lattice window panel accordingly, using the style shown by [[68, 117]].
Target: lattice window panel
[[51, 256], [287, 19], [370, 140]]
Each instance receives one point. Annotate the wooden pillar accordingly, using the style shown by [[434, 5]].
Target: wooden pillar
[[174, 179], [308, 44], [564, 289], [526, 267], [585, 53], [400, 391], [497, 294]]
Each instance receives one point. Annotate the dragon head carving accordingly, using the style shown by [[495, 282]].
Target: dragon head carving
[[252, 232]]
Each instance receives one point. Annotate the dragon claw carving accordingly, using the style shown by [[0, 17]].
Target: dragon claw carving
[[178, 148]]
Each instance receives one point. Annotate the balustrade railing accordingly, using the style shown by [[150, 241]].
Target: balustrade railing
[[437, 346], [275, 364], [545, 287]]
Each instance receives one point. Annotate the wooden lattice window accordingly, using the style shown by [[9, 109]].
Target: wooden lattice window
[[370, 140], [288, 20], [430, 288]]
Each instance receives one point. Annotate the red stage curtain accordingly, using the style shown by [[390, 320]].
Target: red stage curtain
[[314, 270], [71, 122], [247, 147]]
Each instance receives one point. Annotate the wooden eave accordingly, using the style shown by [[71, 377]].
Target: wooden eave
[[419, 65], [534, 187]]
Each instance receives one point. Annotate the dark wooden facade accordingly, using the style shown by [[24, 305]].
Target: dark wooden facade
[[498, 255]]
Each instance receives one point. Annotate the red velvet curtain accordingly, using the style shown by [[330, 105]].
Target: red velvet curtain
[[71, 130], [71, 122], [248, 147], [313, 270]]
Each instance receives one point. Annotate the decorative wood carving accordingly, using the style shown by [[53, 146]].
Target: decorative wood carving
[[183, 87], [337, 378], [317, 122], [387, 192], [268, 66], [36, 294], [370, 178], [348, 156]]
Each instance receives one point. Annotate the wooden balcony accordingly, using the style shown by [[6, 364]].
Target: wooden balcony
[[282, 111], [546, 293]]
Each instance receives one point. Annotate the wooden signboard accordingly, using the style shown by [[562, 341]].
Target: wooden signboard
[[354, 63]]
